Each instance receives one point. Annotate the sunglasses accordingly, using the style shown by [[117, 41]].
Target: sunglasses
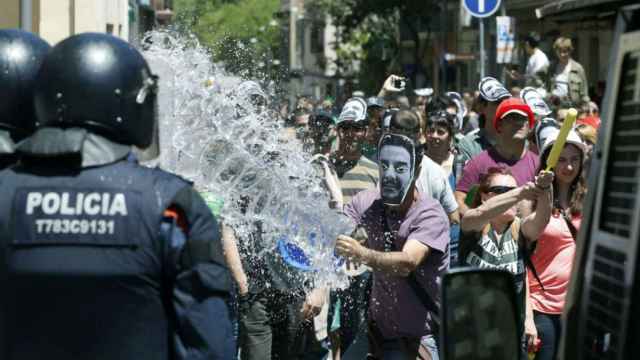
[[352, 128], [500, 189]]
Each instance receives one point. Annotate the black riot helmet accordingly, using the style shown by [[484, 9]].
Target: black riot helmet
[[101, 83], [21, 54]]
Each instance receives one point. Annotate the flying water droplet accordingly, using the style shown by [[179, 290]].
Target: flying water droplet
[[237, 153]]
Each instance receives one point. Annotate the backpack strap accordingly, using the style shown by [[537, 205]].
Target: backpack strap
[[526, 253], [572, 228]]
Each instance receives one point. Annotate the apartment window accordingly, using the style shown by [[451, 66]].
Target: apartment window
[[110, 29], [317, 38]]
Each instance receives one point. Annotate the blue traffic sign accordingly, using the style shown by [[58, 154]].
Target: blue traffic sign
[[481, 8]]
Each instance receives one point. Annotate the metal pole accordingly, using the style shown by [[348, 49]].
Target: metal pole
[[444, 46], [482, 55], [26, 14], [502, 68]]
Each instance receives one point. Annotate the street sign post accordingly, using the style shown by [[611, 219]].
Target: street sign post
[[481, 9]]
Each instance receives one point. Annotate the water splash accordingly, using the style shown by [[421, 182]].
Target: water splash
[[216, 138]]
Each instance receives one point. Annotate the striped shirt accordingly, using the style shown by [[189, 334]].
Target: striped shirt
[[361, 175], [488, 250]]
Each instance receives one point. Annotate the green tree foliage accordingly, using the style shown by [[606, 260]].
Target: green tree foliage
[[243, 34], [379, 49]]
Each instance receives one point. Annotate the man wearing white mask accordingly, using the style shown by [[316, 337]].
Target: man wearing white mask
[[407, 248]]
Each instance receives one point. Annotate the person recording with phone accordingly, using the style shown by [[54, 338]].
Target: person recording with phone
[[392, 86]]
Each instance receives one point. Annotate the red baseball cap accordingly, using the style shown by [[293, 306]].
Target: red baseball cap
[[511, 106]]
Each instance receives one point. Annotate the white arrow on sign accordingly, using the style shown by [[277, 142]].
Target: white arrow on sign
[[481, 8]]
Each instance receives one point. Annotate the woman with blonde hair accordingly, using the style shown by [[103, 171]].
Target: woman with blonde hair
[[568, 84]]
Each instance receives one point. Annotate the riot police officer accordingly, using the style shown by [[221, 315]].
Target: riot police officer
[[102, 258], [21, 54]]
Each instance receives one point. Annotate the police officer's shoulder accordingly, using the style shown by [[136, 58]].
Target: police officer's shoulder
[[185, 197], [203, 234], [164, 182], [168, 176]]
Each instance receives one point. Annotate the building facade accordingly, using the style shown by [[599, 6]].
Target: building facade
[[56, 20], [309, 39], [589, 23], [451, 42]]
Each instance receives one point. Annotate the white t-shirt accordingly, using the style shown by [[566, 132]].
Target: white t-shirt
[[433, 181], [561, 87], [537, 62]]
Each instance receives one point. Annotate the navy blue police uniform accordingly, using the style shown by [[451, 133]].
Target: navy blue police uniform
[[100, 257]]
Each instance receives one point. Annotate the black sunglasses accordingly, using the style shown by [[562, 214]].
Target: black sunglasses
[[352, 127], [500, 189]]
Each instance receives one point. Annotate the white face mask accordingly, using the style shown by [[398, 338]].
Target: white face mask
[[492, 90], [396, 164], [535, 101], [355, 109]]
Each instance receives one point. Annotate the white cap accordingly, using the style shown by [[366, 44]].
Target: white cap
[[461, 108], [355, 109], [492, 90], [423, 91], [358, 93], [534, 99]]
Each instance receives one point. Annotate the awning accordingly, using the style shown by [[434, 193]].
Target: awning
[[563, 6]]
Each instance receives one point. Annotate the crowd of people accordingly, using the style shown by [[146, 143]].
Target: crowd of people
[[452, 180]]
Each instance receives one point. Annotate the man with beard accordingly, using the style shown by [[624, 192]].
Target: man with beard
[[407, 248], [355, 171], [513, 121], [431, 179]]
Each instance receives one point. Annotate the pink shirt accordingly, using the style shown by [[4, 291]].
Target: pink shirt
[[553, 260], [523, 170]]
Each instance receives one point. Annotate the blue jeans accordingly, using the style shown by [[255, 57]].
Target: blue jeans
[[549, 329]]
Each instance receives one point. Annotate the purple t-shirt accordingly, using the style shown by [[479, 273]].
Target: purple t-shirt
[[523, 169], [394, 305]]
